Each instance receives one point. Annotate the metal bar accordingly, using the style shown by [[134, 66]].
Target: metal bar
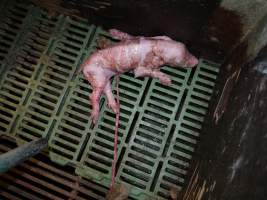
[[18, 155]]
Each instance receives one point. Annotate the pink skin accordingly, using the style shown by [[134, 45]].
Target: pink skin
[[143, 55]]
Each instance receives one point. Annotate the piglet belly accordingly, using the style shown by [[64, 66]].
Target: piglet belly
[[128, 57]]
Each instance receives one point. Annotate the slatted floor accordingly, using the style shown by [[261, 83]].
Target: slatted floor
[[39, 178], [40, 96]]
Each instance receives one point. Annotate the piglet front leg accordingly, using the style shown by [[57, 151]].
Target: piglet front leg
[[154, 73]]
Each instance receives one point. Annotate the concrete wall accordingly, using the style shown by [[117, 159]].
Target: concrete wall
[[232, 162], [251, 11]]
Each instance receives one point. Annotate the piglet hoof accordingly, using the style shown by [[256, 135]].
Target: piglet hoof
[[166, 81], [94, 117], [114, 107]]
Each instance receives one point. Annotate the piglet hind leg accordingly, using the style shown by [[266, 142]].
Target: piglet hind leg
[[98, 86], [110, 98], [155, 73], [162, 37], [119, 35], [95, 97]]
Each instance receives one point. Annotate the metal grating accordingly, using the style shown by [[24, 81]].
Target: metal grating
[[39, 178], [40, 96]]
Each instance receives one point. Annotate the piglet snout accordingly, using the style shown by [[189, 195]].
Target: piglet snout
[[192, 61]]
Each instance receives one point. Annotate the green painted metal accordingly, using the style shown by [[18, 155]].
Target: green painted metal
[[40, 96]]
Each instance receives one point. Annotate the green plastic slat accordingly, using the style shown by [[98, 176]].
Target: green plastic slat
[[52, 85], [183, 145], [97, 159], [74, 124], [10, 30], [17, 78], [41, 96], [161, 121], [102, 135]]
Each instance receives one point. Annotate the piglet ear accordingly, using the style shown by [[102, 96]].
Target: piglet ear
[[119, 35], [113, 32]]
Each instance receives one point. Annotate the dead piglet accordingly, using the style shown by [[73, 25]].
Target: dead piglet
[[99, 79], [142, 55]]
